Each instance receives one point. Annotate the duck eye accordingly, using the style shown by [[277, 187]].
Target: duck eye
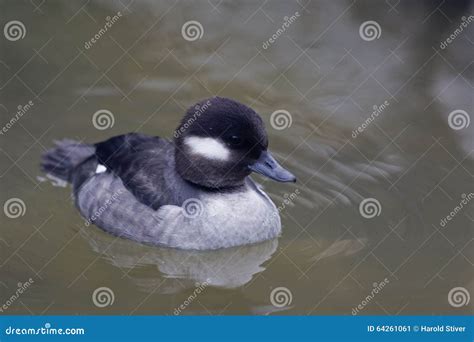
[[235, 140]]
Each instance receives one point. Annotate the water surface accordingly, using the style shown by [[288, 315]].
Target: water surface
[[329, 257]]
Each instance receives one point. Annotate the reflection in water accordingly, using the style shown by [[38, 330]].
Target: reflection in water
[[226, 268]]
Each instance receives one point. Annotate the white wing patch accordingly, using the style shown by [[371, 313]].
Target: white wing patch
[[100, 169], [207, 147]]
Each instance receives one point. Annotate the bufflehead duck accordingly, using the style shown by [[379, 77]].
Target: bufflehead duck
[[191, 193]]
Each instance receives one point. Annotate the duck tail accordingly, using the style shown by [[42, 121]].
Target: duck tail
[[61, 160]]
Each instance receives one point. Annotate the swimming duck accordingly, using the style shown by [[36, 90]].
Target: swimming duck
[[191, 192]]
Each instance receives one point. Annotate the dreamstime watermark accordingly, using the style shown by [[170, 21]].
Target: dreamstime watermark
[[192, 208], [200, 287], [281, 119], [198, 111], [103, 119], [46, 330], [21, 110], [286, 24], [458, 296], [288, 199], [377, 287], [377, 110], [14, 208], [21, 288], [103, 296], [109, 22], [14, 30], [113, 198], [370, 30], [462, 204], [370, 207], [464, 24], [281, 297], [459, 119], [192, 30]]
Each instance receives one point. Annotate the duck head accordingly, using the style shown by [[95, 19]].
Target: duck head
[[220, 141]]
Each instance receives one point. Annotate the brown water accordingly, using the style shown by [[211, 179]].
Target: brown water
[[326, 76]]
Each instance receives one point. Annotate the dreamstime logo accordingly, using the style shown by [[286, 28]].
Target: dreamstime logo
[[200, 287], [109, 22], [14, 208], [377, 110], [286, 24], [377, 288], [281, 119], [103, 296], [465, 22], [103, 119], [111, 200], [288, 199], [22, 287], [21, 110], [14, 30], [458, 296], [370, 30], [192, 208], [281, 297], [458, 119], [458, 208], [370, 207], [192, 30], [199, 109], [47, 329]]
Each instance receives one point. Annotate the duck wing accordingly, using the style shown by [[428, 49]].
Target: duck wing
[[140, 161]]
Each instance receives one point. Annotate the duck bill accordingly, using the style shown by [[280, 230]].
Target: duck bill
[[267, 166]]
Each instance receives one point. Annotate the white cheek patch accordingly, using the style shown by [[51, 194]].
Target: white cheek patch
[[207, 147], [100, 169]]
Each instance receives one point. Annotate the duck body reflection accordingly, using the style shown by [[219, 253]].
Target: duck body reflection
[[224, 268]]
